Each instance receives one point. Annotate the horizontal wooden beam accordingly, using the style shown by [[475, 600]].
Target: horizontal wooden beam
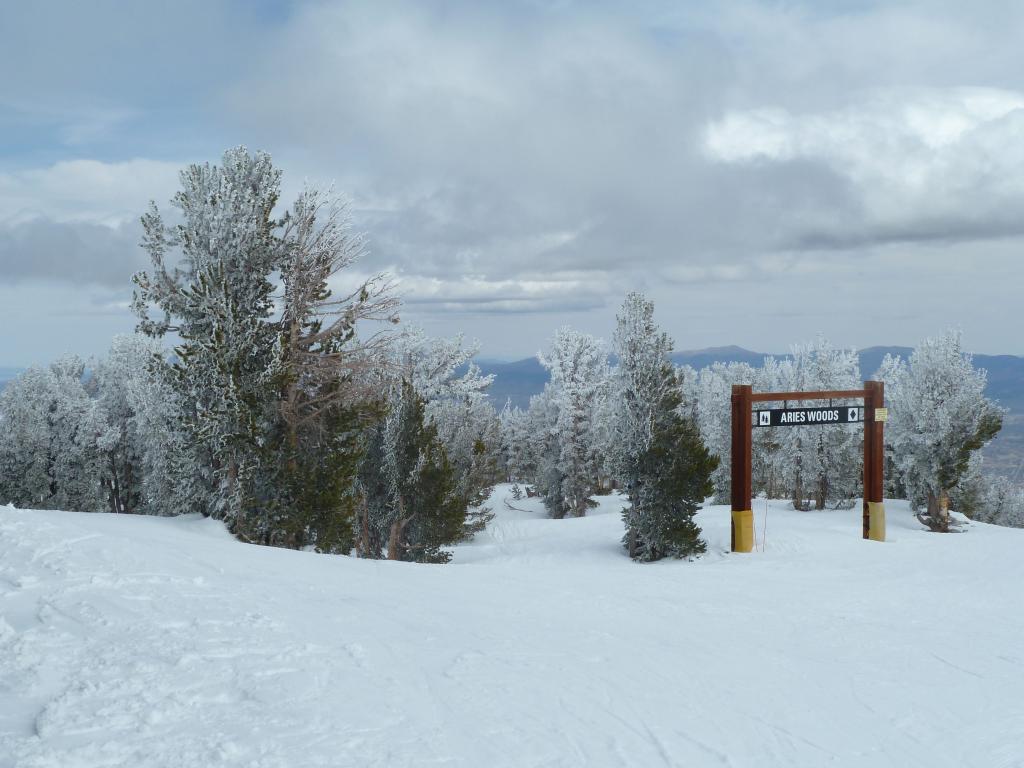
[[771, 397]]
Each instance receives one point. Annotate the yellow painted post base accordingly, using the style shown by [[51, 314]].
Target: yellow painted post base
[[743, 530], [876, 521]]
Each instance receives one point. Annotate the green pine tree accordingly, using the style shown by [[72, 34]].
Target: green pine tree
[[411, 506], [673, 477], [308, 499]]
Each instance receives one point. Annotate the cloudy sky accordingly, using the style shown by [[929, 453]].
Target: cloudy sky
[[765, 171]]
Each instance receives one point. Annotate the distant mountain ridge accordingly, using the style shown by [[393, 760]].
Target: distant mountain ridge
[[521, 379], [518, 381]]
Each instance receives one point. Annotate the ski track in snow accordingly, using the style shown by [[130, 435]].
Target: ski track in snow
[[129, 641]]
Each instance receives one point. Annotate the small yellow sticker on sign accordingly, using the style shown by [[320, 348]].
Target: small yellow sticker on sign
[[881, 414]]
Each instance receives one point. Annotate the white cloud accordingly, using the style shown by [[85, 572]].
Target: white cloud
[[534, 157], [915, 157], [564, 291], [86, 191], [77, 221]]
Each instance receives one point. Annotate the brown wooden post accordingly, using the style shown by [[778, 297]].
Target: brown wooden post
[[869, 445], [878, 456], [741, 539], [879, 473], [874, 461]]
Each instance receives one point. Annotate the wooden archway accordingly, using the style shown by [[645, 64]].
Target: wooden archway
[[743, 398]]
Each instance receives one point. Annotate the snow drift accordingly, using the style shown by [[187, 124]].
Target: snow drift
[[142, 641]]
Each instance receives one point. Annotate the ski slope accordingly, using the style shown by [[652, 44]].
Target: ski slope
[[131, 641]]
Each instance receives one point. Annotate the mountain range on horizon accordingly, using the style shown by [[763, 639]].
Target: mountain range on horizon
[[518, 380]]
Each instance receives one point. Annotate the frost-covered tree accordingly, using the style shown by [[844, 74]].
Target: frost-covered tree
[[49, 456], [410, 508], [639, 383], [103, 439], [577, 364], [771, 463], [435, 456], [1000, 502], [673, 478], [515, 444], [470, 432], [438, 368], [115, 380], [659, 457], [988, 498], [305, 495], [173, 481], [218, 300], [545, 450], [269, 373], [454, 392], [26, 475], [939, 418], [820, 464], [710, 389]]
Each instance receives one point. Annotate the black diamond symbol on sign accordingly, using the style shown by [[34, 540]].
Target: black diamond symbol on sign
[[764, 418], [852, 414]]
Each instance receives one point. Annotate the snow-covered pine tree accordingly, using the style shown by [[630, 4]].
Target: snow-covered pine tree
[[939, 418], [173, 482], [410, 509], [1000, 502], [469, 429], [515, 444], [270, 386], [545, 450], [822, 465], [25, 461], [119, 442], [218, 300], [639, 383], [325, 400], [602, 433], [660, 460], [711, 391], [49, 457], [674, 477], [771, 463], [454, 390], [578, 367]]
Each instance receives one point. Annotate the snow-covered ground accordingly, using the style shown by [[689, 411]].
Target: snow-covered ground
[[130, 641]]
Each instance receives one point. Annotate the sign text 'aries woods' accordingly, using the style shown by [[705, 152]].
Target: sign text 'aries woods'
[[803, 417]]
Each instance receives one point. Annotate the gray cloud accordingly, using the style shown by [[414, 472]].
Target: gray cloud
[[551, 139], [528, 159], [73, 252]]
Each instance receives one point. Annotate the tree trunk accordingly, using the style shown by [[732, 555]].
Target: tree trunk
[[115, 493], [129, 502], [938, 511], [363, 540], [396, 534], [633, 523], [821, 495]]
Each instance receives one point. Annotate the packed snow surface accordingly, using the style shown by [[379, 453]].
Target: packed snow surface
[[133, 641]]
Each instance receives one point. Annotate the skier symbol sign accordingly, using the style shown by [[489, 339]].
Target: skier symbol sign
[[805, 417]]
